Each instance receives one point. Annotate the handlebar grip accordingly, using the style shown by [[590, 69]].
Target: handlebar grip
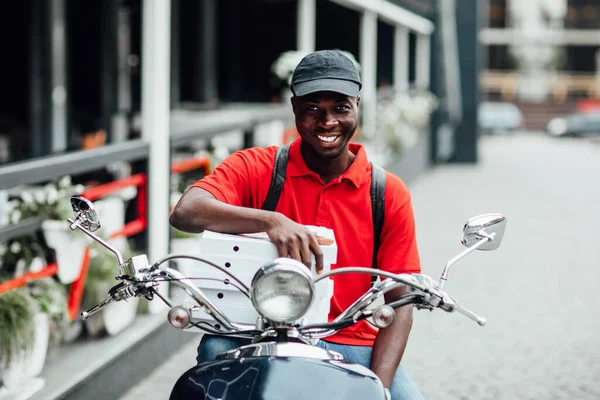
[[480, 321]]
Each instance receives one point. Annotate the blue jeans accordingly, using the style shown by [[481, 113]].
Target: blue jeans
[[403, 388]]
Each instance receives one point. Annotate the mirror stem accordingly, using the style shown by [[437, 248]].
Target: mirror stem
[[97, 239], [485, 238]]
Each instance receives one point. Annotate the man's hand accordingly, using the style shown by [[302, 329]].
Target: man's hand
[[198, 210], [294, 240]]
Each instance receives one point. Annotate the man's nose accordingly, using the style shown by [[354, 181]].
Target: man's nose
[[328, 120]]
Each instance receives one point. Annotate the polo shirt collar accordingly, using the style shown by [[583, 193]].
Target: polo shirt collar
[[355, 174]]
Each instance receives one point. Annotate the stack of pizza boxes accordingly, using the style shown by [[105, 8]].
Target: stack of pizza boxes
[[243, 255]]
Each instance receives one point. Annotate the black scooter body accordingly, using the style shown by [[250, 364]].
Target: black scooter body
[[278, 378]]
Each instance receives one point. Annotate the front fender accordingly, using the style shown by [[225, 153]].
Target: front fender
[[278, 378]]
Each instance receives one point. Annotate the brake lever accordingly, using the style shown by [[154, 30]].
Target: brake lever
[[121, 291], [86, 314]]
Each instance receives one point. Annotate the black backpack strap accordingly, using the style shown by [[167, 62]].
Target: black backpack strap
[[277, 179], [377, 209]]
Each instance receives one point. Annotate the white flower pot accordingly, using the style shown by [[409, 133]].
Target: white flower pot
[[14, 373], [36, 357], [114, 318], [118, 316], [72, 331], [29, 363], [69, 250]]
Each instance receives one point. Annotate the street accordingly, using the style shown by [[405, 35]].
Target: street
[[537, 291]]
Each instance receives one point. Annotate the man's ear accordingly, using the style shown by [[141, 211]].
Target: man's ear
[[294, 101]]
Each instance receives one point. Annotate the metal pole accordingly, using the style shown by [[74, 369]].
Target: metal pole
[[450, 59], [423, 61], [39, 103], [175, 54], [598, 73], [307, 18], [401, 58], [468, 19], [208, 50], [109, 65], [58, 76], [368, 60], [156, 56], [123, 27]]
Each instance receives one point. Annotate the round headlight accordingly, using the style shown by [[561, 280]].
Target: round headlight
[[282, 291]]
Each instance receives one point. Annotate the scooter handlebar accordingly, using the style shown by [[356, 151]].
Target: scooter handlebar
[[86, 314], [121, 291], [480, 320]]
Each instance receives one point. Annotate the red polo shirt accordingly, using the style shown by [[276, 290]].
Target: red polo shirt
[[343, 205]]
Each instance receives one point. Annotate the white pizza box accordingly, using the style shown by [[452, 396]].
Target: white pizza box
[[226, 294], [246, 314], [207, 276], [238, 308], [242, 268], [257, 246]]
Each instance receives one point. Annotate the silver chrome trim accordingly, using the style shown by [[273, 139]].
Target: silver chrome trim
[[298, 350]]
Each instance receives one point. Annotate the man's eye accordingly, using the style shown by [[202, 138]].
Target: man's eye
[[342, 108], [311, 108]]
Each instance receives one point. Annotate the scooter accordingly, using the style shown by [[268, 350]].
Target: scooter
[[282, 361]]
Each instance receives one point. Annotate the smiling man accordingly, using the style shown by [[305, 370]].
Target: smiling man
[[327, 183]]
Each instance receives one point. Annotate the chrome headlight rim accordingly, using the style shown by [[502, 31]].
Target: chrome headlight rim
[[283, 265]]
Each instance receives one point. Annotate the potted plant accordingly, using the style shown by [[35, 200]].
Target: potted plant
[[18, 254], [51, 297], [17, 335], [401, 119], [51, 203], [23, 255]]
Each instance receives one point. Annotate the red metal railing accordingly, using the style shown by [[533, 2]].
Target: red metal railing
[[201, 162], [129, 229], [20, 281]]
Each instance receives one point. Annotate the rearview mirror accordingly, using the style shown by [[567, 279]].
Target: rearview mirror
[[490, 226], [85, 213]]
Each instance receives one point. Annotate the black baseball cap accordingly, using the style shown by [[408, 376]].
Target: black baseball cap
[[326, 70]]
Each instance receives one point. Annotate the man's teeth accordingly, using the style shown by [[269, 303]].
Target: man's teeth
[[328, 139]]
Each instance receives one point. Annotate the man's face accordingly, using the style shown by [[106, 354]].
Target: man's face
[[326, 121]]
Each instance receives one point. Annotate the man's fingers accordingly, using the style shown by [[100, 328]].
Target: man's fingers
[[319, 261], [316, 250], [305, 253], [282, 250], [295, 252]]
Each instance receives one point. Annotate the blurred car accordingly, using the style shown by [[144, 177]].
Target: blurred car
[[576, 124], [494, 117]]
